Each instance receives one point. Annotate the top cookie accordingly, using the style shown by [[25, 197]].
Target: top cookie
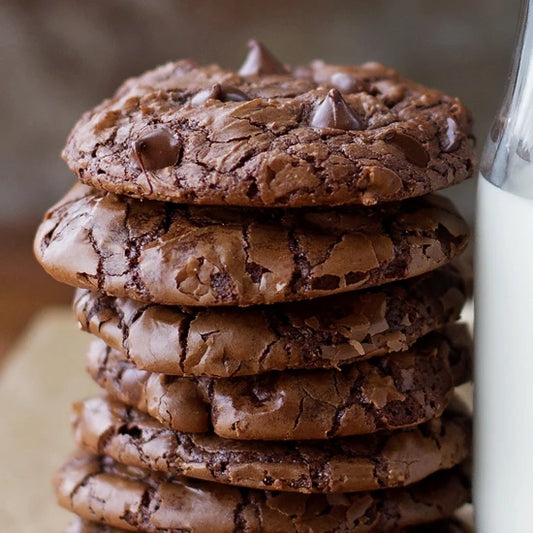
[[268, 136]]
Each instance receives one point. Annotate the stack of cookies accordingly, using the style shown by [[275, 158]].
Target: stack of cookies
[[267, 276]]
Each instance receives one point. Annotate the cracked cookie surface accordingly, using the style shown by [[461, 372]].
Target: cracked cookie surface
[[206, 135], [179, 255], [135, 499], [397, 390], [444, 526], [350, 464], [232, 341]]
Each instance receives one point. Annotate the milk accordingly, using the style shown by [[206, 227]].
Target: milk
[[503, 451]]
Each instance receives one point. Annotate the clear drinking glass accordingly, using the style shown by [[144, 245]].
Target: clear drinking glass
[[503, 439]]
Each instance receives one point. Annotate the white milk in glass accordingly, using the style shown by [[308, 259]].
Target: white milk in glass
[[503, 480], [503, 406]]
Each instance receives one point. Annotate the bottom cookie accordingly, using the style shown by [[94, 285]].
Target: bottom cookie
[[444, 526], [135, 499]]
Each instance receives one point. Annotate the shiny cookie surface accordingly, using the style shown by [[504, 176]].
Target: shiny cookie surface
[[273, 136]]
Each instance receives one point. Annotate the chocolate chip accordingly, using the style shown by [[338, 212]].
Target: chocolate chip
[[260, 61], [348, 84], [334, 112], [223, 93], [379, 182], [452, 137], [391, 93], [156, 149], [302, 72], [414, 152]]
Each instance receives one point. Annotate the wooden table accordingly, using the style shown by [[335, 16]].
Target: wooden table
[[42, 376]]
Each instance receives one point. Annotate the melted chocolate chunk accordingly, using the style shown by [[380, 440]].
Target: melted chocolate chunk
[[334, 112], [414, 152], [260, 61], [156, 149], [223, 93], [452, 138]]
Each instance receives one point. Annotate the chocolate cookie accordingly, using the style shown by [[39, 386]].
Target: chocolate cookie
[[349, 464], [84, 526], [131, 498], [444, 526], [271, 137], [232, 341], [171, 254], [397, 390]]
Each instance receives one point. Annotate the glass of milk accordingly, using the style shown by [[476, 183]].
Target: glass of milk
[[503, 437]]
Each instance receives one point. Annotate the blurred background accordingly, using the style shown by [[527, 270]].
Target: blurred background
[[61, 57]]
